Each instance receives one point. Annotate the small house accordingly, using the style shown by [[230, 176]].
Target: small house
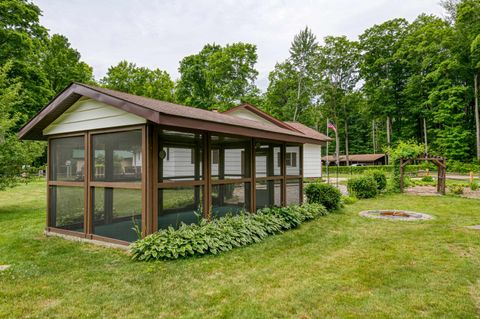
[[119, 162]]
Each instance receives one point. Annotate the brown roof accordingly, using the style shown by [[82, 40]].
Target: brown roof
[[160, 112], [309, 131], [355, 158]]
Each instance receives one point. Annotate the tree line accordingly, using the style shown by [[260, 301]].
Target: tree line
[[397, 81]]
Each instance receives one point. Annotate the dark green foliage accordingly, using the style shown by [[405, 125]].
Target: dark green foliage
[[325, 194], [223, 234], [128, 77], [380, 178], [363, 187]]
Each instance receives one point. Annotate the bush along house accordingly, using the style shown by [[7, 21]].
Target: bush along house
[[119, 162]]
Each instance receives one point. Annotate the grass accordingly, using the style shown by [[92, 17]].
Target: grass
[[341, 266]]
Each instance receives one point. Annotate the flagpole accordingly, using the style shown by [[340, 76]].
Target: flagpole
[[327, 161]]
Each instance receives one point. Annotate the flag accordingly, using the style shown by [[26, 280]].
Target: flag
[[331, 126]]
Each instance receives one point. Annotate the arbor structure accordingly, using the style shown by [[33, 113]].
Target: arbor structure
[[440, 162]]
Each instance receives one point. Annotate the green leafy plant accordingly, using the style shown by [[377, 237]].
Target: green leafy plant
[[380, 178], [325, 194], [363, 187], [473, 186], [348, 200], [223, 234], [427, 179], [456, 189]]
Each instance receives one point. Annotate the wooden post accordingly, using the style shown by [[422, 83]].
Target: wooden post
[[401, 175]]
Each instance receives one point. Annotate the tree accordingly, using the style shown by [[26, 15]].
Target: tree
[[383, 74], [292, 91], [14, 154], [62, 64], [129, 78], [467, 25], [218, 77], [22, 40], [338, 60], [302, 57]]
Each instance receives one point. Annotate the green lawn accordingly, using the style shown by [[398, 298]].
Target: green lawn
[[341, 266]]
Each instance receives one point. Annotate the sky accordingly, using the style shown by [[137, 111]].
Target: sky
[[158, 34]]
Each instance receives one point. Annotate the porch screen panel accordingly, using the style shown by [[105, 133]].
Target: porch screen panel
[[116, 207], [67, 159], [180, 177], [230, 199], [293, 160], [180, 156], [117, 157], [67, 205], [293, 192], [268, 193], [116, 212], [179, 205], [230, 157], [268, 173]]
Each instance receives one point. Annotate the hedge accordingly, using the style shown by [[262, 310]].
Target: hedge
[[363, 187], [223, 234], [452, 167], [325, 194]]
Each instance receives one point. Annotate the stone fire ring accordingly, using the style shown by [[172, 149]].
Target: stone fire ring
[[395, 215]]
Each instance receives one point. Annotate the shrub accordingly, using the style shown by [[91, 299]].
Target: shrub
[[347, 200], [223, 234], [456, 189], [473, 186], [325, 194], [427, 179], [363, 187], [380, 178]]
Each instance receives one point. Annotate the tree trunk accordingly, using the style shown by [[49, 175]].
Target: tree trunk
[[346, 143], [477, 116], [388, 131], [425, 135], [297, 105], [373, 138]]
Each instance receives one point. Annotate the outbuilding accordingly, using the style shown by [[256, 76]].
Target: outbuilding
[[119, 162]]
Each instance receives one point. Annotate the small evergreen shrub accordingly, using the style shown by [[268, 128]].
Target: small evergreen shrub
[[223, 234], [363, 187], [325, 194], [380, 178]]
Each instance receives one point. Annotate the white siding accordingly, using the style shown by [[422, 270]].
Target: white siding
[[88, 114], [312, 160], [245, 114]]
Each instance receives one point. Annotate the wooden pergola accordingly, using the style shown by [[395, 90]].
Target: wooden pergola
[[441, 170]]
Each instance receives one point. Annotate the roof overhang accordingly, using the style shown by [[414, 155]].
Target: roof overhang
[[33, 130]]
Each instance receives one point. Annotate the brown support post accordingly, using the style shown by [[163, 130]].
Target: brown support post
[[401, 175], [301, 174], [207, 198], [284, 175], [47, 176], [253, 186], [88, 177], [154, 175], [86, 188], [147, 181]]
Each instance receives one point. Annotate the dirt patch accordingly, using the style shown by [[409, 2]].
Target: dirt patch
[[422, 190], [468, 193]]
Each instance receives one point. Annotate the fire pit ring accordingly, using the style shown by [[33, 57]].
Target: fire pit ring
[[393, 214]]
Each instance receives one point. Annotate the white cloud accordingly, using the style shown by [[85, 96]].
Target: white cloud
[[158, 34]]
